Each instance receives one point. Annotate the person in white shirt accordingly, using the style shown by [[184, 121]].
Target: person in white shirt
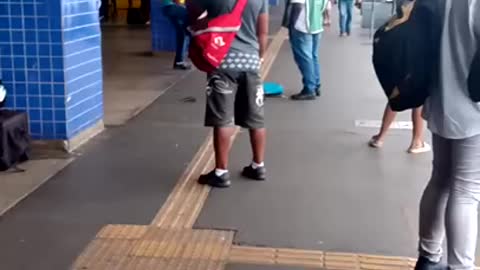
[[304, 20]]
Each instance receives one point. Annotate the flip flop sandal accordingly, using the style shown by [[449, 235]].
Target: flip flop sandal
[[375, 143], [419, 150]]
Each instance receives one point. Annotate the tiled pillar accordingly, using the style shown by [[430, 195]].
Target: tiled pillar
[[163, 33], [51, 64]]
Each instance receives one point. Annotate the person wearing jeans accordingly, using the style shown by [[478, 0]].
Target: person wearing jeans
[[345, 8], [304, 20], [176, 13], [449, 206]]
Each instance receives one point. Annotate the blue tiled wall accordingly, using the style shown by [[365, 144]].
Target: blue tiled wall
[[163, 33], [50, 62]]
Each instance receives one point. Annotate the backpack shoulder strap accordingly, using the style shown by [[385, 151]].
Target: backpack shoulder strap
[[239, 7]]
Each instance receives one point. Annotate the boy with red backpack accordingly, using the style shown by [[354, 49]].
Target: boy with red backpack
[[229, 40]]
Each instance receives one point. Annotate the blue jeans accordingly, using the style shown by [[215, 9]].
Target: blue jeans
[[177, 15], [305, 52], [346, 13]]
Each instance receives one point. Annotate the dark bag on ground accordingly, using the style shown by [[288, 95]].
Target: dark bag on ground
[[14, 139], [406, 53]]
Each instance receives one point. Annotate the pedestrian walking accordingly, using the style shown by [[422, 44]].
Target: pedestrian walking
[[304, 21], [176, 13], [345, 8], [449, 206], [417, 145]]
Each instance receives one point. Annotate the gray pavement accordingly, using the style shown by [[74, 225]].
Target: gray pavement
[[326, 189], [123, 177]]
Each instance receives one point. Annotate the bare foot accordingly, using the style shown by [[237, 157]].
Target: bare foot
[[376, 142]]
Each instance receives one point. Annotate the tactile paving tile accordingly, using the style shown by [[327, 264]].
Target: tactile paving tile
[[318, 259], [148, 247]]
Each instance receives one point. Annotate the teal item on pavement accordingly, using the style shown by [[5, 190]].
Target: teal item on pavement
[[272, 89]]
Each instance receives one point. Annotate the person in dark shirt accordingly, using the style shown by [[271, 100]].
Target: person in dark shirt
[[176, 13], [235, 93]]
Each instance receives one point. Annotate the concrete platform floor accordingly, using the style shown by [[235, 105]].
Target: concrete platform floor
[[326, 189]]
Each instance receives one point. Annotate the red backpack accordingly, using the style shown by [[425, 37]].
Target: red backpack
[[212, 37]]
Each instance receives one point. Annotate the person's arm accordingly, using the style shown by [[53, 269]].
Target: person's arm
[[262, 28]]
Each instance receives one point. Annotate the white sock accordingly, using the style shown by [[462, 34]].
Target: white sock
[[257, 165], [220, 172]]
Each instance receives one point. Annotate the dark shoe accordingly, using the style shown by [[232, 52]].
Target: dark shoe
[[213, 180], [304, 96], [317, 91], [259, 174], [182, 66], [425, 264]]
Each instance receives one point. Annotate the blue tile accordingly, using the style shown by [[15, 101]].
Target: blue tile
[[31, 36], [33, 89], [15, 10], [5, 63], [4, 21], [60, 115], [47, 103], [6, 49], [21, 102], [43, 24], [44, 36], [7, 75], [57, 50], [35, 115], [32, 62], [18, 49], [47, 115], [45, 76], [59, 102], [19, 63], [33, 76], [32, 49], [17, 36], [46, 90], [20, 89], [48, 130], [35, 127], [56, 36], [16, 23], [30, 23], [59, 90], [58, 76], [61, 129], [57, 62], [4, 9], [20, 75], [45, 63], [44, 50], [28, 10], [4, 36], [34, 102], [42, 10]]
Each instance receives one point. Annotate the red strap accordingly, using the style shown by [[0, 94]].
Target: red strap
[[239, 7]]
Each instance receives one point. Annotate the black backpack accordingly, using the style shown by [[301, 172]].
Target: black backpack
[[406, 53], [14, 136]]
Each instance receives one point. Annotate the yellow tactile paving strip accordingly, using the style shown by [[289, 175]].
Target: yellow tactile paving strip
[[170, 243], [317, 259], [126, 247]]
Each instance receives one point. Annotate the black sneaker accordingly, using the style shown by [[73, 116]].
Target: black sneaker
[[259, 174], [213, 180], [317, 91], [425, 264], [304, 96], [182, 66]]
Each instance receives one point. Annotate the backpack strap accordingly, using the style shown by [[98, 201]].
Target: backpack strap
[[239, 8]]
